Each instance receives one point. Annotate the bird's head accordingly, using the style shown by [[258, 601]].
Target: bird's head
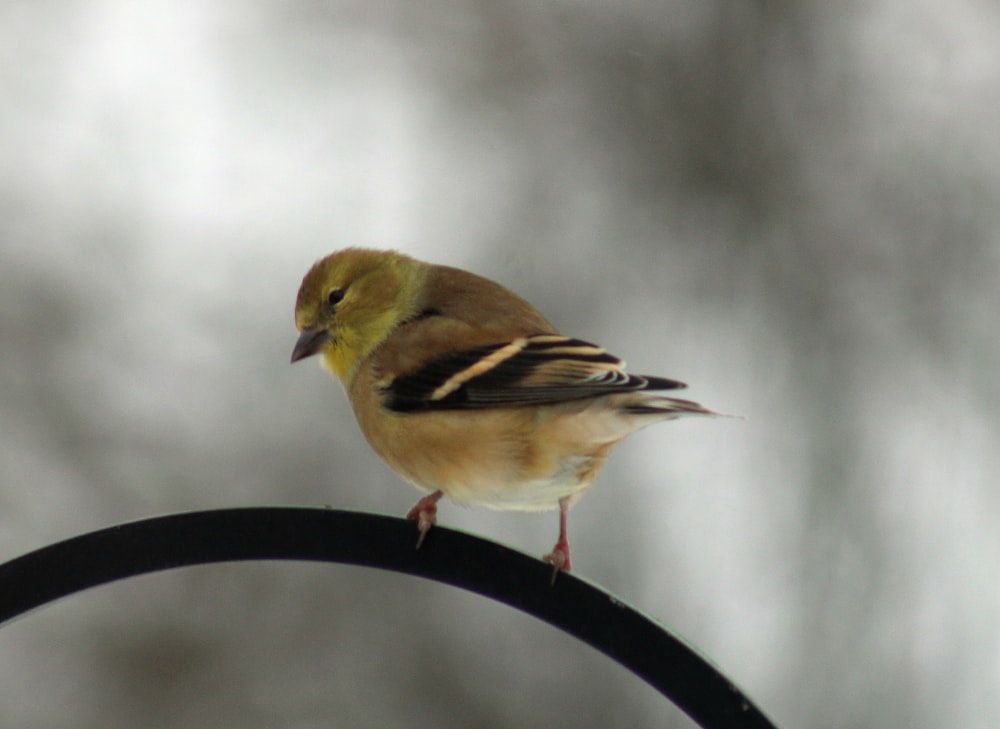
[[349, 302]]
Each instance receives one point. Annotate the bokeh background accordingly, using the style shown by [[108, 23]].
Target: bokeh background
[[794, 207]]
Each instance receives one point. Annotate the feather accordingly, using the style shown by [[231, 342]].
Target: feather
[[536, 370]]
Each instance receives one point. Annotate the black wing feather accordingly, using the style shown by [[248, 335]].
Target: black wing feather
[[546, 369]]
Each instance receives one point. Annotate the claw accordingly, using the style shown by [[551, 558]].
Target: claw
[[559, 556], [424, 512], [559, 559]]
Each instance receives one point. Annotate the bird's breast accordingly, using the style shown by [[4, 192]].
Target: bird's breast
[[495, 458]]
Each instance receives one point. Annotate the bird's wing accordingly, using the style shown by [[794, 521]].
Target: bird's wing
[[532, 370]]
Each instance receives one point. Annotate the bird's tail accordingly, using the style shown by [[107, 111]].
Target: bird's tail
[[666, 407]]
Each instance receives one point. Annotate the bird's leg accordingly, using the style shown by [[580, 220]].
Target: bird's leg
[[559, 556], [424, 513]]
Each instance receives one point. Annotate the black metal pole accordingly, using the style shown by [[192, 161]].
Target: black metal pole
[[371, 540]]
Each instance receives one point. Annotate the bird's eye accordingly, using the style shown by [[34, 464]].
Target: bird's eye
[[335, 297]]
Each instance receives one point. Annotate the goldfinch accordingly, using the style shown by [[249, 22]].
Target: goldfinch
[[465, 390]]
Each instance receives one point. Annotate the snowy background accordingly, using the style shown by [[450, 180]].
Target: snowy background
[[794, 207]]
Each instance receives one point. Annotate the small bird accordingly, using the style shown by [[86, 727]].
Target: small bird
[[465, 390]]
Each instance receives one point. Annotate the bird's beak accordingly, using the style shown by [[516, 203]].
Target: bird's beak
[[310, 342]]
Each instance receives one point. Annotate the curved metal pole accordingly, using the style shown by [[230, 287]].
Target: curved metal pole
[[371, 540]]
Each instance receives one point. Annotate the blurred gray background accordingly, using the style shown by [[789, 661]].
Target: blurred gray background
[[794, 207]]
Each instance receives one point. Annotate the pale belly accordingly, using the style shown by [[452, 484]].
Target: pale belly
[[514, 459]]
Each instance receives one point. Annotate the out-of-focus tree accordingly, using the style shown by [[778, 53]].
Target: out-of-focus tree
[[792, 206]]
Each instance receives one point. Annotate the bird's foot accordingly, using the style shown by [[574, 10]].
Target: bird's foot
[[424, 512], [559, 558]]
